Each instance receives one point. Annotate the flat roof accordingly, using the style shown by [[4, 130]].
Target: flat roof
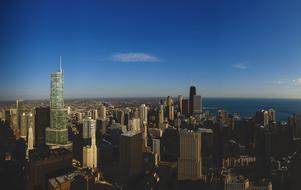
[[130, 133]]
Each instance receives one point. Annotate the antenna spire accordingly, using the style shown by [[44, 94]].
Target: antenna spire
[[60, 63]]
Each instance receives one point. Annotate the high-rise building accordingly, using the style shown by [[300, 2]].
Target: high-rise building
[[190, 160], [170, 145], [272, 115], [170, 108], [197, 104], [180, 104], [42, 121], [102, 112], [30, 139], [13, 119], [192, 92], [143, 114], [20, 110], [295, 126], [89, 127], [57, 133], [160, 115], [130, 155], [156, 147], [262, 117], [95, 114], [90, 154], [134, 124], [185, 106], [23, 125]]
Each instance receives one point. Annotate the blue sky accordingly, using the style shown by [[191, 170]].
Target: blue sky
[[233, 48]]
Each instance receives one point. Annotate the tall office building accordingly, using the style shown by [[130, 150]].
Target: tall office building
[[89, 127], [190, 162], [30, 139], [130, 155], [262, 117], [170, 108], [23, 125], [185, 106], [156, 148], [295, 126], [90, 154], [143, 114], [272, 115], [13, 119], [180, 107], [102, 112], [192, 92], [160, 115], [57, 133], [94, 114], [42, 121], [134, 124], [197, 104], [20, 110]]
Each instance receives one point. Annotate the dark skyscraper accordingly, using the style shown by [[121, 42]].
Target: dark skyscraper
[[42, 121], [192, 92], [130, 155]]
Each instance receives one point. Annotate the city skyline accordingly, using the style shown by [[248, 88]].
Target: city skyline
[[235, 49]]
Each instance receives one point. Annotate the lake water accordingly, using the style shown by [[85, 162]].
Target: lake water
[[247, 107]]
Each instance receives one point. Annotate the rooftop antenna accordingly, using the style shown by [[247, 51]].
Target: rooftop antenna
[[60, 63]]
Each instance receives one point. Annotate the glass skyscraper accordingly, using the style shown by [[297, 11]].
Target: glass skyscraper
[[57, 133]]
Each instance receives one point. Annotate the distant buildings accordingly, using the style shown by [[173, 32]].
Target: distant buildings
[[192, 92], [143, 114], [185, 107], [262, 117], [102, 112], [170, 108], [160, 115], [180, 104], [20, 110], [197, 104]]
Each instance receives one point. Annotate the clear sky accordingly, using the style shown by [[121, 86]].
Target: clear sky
[[230, 48]]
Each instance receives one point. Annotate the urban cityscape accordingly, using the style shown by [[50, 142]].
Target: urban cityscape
[[145, 140]]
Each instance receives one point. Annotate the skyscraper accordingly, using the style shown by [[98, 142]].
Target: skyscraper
[[185, 104], [130, 155], [30, 139], [180, 107], [90, 154], [192, 92], [160, 115], [143, 114], [42, 121], [57, 133], [102, 112], [190, 161], [170, 108], [20, 110], [197, 104], [89, 127]]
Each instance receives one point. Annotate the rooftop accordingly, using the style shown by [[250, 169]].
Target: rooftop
[[130, 133]]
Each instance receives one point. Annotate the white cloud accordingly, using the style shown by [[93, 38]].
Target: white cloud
[[296, 82], [134, 57], [240, 66]]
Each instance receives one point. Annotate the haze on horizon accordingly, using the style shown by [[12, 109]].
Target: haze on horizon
[[151, 48]]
